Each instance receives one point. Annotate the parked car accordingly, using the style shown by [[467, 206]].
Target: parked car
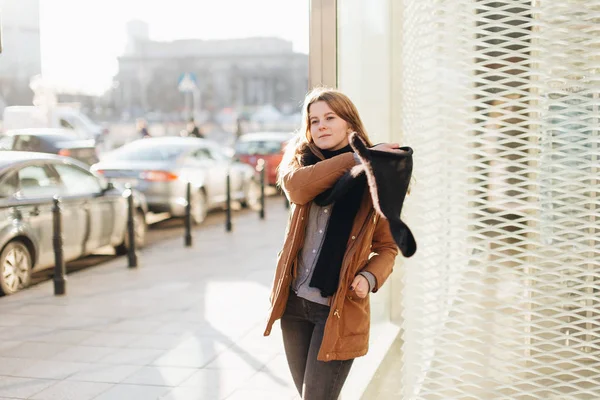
[[94, 213], [67, 116], [269, 146], [54, 141], [161, 167]]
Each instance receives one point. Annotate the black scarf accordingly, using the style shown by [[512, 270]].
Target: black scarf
[[347, 194]]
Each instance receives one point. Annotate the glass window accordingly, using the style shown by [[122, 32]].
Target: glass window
[[6, 143], [27, 143], [9, 186], [36, 181], [218, 154], [146, 152], [77, 181], [203, 155], [66, 124]]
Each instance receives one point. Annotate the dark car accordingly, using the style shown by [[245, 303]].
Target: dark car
[[269, 146], [94, 214], [63, 142]]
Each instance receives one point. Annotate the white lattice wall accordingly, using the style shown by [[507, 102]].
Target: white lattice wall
[[501, 103]]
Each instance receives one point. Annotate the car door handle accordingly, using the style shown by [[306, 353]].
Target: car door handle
[[35, 212]]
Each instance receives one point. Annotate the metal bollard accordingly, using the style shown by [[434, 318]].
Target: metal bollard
[[262, 166], [228, 224], [132, 258], [188, 215], [60, 281]]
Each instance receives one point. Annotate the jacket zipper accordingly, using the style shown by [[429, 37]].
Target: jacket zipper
[[286, 265], [337, 312]]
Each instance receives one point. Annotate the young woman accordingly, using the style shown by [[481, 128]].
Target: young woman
[[334, 253]]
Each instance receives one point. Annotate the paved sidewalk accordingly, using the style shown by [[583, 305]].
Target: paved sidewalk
[[187, 324]]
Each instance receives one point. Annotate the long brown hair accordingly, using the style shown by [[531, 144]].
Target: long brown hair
[[303, 141]]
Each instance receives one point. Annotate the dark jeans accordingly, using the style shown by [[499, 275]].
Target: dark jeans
[[303, 325]]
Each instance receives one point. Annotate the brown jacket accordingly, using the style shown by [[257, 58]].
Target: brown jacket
[[370, 248]]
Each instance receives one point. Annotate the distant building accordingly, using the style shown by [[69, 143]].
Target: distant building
[[229, 73], [21, 50]]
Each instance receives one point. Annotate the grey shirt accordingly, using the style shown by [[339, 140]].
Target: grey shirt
[[316, 228]]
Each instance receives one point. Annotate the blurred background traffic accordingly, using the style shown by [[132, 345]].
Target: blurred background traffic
[[151, 100]]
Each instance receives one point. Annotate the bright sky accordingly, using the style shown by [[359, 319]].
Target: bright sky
[[81, 39]]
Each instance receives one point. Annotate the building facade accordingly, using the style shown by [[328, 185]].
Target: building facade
[[228, 73], [499, 100], [21, 51]]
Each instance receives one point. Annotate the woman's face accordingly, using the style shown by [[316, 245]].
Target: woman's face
[[328, 130]]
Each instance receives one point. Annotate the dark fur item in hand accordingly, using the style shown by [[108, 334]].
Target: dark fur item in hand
[[388, 175]]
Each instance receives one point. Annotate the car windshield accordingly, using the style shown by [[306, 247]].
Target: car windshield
[[147, 152], [58, 138], [258, 147]]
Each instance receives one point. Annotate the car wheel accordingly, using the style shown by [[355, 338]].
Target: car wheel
[[199, 207], [252, 195], [140, 230], [15, 268]]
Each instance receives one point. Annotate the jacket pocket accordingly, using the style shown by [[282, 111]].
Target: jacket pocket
[[356, 316]]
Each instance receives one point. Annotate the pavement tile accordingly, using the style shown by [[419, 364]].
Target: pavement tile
[[161, 376], [159, 341], [41, 309], [199, 343], [132, 356], [9, 319], [70, 390], [12, 366], [211, 384], [51, 369], [106, 373], [193, 393], [225, 379], [260, 344], [67, 336], [134, 326], [240, 359], [189, 358], [246, 394], [85, 354], [22, 388], [9, 344], [69, 322], [24, 333], [181, 327], [270, 380], [133, 392], [108, 339], [34, 350]]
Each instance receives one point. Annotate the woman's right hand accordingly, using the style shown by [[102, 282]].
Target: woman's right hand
[[390, 147]]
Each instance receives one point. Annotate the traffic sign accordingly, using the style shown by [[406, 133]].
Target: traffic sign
[[187, 82]]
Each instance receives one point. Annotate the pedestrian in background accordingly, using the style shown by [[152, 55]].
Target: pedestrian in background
[[238, 129], [193, 130], [333, 255], [142, 128]]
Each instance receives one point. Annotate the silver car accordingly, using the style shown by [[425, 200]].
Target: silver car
[[94, 214], [161, 167]]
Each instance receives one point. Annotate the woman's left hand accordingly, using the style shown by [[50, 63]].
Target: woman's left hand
[[360, 286]]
